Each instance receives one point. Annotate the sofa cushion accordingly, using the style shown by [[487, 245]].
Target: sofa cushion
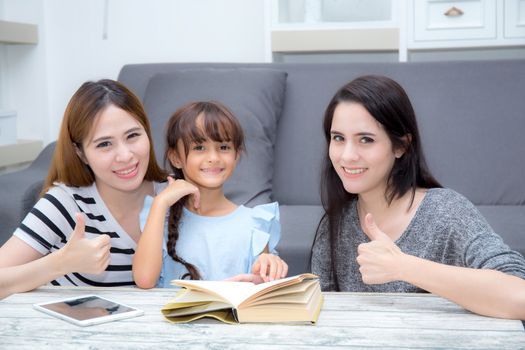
[[508, 221], [255, 96], [298, 226]]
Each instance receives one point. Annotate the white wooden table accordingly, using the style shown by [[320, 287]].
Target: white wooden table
[[347, 320]]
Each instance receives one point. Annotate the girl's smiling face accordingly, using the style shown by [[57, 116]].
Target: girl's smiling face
[[360, 150], [206, 164]]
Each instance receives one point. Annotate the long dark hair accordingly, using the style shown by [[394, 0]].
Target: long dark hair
[[389, 104], [216, 123]]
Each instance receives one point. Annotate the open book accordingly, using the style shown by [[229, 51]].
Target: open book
[[296, 299]]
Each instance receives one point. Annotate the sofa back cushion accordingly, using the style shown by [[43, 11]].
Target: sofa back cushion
[[471, 116], [255, 96]]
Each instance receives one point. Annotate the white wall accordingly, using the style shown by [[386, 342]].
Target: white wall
[[73, 47], [23, 75]]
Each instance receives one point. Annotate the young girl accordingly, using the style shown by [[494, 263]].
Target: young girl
[[103, 166], [208, 236], [389, 226]]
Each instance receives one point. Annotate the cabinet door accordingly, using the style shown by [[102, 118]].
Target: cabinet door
[[454, 20], [514, 18], [347, 12]]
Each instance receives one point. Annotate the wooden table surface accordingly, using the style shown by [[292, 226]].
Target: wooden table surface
[[347, 320]]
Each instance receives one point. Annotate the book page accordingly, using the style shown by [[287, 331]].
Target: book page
[[185, 296], [297, 293], [264, 288], [195, 309], [237, 292], [232, 292]]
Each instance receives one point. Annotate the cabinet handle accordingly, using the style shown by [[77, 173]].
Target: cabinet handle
[[454, 12]]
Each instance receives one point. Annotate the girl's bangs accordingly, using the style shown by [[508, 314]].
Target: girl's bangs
[[212, 126]]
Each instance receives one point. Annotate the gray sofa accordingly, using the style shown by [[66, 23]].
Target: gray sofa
[[471, 116]]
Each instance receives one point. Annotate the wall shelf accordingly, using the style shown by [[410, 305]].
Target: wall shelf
[[23, 151], [358, 39], [18, 33]]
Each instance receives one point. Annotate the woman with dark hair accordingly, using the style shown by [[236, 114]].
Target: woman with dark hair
[[103, 167], [389, 226]]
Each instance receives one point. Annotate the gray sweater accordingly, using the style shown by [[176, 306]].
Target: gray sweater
[[446, 228]]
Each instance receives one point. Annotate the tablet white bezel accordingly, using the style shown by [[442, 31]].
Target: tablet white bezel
[[91, 321]]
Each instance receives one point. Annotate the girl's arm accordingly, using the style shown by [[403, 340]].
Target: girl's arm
[[147, 262], [78, 255], [483, 291]]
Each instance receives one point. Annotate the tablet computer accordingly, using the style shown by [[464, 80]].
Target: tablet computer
[[88, 310]]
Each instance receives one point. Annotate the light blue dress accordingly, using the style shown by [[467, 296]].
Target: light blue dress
[[220, 247]]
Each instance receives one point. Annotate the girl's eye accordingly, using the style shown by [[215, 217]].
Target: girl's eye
[[103, 144], [366, 139], [225, 147], [198, 148]]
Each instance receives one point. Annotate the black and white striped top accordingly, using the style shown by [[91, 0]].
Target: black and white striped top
[[51, 221]]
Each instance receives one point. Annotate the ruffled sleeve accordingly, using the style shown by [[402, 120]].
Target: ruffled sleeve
[[266, 229]]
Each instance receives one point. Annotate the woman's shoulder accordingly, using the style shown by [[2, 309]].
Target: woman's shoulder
[[446, 198], [71, 199], [346, 213], [62, 191], [448, 208]]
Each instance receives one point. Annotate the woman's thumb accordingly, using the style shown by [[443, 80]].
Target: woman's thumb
[[80, 227], [372, 231]]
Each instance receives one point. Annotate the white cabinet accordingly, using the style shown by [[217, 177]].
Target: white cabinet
[[333, 25], [453, 24], [399, 27], [344, 12], [454, 20], [514, 14]]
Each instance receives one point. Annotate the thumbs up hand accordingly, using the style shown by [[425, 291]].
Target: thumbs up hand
[[81, 254], [380, 259]]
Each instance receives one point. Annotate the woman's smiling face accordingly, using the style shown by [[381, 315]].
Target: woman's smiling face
[[360, 150], [117, 151]]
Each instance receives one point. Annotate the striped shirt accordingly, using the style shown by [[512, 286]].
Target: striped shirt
[[49, 224]]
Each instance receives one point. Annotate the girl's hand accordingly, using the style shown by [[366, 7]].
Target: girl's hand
[[84, 255], [177, 189], [270, 267], [246, 277], [380, 259]]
